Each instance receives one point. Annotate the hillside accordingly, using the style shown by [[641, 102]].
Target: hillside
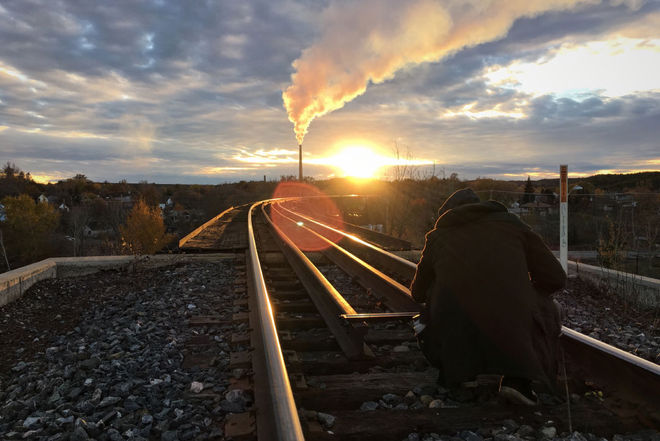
[[611, 183]]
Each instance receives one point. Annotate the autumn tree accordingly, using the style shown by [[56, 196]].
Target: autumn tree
[[144, 230], [28, 228]]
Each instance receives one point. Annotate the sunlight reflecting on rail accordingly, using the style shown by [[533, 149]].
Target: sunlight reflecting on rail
[[316, 203]]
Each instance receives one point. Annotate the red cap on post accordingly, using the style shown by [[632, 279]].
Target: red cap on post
[[563, 183]]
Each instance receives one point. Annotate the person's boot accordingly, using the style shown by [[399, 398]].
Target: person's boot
[[518, 391]]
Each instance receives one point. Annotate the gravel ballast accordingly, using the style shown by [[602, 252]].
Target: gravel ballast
[[610, 317], [102, 357]]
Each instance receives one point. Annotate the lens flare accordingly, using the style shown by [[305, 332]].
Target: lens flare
[[313, 203]]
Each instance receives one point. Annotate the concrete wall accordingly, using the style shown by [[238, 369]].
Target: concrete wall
[[637, 289], [13, 284]]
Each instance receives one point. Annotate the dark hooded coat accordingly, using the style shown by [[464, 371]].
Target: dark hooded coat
[[486, 279]]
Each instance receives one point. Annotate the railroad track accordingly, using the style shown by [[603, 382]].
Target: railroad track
[[327, 368]]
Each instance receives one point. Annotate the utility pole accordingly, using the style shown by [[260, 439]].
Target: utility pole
[[300, 173]]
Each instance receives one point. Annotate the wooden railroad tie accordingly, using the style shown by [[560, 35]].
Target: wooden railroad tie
[[206, 320], [241, 359], [240, 426]]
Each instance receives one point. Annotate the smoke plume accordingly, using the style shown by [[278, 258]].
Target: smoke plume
[[370, 40]]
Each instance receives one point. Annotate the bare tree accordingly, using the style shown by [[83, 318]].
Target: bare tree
[[116, 215], [4, 252], [402, 169], [79, 218], [430, 174], [648, 220]]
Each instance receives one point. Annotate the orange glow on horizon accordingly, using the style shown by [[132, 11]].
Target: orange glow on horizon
[[361, 160], [358, 162]]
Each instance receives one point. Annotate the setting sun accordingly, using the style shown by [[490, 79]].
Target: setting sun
[[358, 162], [362, 161]]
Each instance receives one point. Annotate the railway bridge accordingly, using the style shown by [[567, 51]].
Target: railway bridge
[[315, 329]]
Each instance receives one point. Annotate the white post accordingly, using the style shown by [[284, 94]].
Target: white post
[[563, 216]]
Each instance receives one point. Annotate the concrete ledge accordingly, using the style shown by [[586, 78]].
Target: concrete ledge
[[638, 289], [13, 284]]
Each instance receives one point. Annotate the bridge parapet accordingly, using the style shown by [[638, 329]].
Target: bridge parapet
[[638, 289], [14, 283]]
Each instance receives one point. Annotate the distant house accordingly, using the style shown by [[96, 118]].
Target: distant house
[[122, 201], [540, 208], [63, 207], [42, 199]]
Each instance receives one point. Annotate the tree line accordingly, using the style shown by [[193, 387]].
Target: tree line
[[82, 217], [79, 217]]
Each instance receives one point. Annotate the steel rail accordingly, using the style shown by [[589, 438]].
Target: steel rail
[[328, 301], [392, 262], [202, 227], [389, 290], [375, 237], [629, 376], [282, 404]]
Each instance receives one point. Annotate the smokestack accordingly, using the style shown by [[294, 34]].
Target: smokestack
[[300, 175]]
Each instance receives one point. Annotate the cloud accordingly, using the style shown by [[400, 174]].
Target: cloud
[[370, 40], [593, 67], [168, 92]]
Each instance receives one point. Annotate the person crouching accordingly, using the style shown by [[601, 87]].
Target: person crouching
[[486, 280]]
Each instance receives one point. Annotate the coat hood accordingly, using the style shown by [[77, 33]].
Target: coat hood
[[458, 198], [473, 212]]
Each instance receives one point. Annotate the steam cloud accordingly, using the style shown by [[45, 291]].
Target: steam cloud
[[370, 40]]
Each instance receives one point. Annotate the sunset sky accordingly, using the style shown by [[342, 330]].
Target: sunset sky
[[192, 92]]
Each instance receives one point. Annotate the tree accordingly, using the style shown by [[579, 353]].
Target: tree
[[4, 252], [549, 196], [402, 169], [14, 181], [28, 228], [529, 191], [149, 193], [79, 217], [75, 187], [144, 230], [9, 169]]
